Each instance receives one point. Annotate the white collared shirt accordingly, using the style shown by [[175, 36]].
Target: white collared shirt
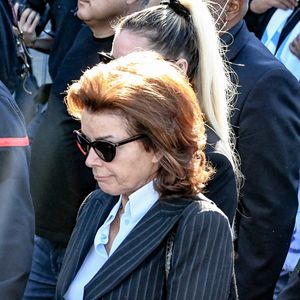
[[271, 37], [139, 203]]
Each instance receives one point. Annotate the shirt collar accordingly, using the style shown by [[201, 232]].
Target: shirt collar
[[137, 206], [141, 201], [228, 37], [102, 233]]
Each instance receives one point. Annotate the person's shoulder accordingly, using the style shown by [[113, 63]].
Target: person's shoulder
[[263, 60], [201, 206], [258, 70], [252, 54], [203, 214], [272, 77], [95, 198], [219, 160]]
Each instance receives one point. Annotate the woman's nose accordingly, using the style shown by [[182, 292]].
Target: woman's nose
[[93, 159]]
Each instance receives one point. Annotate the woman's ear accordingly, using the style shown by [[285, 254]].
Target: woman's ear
[[182, 64], [157, 156]]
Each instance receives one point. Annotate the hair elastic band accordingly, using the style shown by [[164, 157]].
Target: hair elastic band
[[178, 8]]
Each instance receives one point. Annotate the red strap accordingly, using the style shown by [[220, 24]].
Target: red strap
[[14, 142]]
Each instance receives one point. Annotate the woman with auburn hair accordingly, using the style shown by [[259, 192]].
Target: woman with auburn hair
[[184, 32], [148, 233]]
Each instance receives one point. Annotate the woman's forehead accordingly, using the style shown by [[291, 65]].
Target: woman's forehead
[[127, 41]]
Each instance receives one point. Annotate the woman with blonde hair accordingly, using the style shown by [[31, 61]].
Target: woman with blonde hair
[[148, 233], [184, 33]]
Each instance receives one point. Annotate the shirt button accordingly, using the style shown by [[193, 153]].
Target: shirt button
[[126, 221]]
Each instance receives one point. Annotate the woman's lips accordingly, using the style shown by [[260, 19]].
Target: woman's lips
[[101, 178]]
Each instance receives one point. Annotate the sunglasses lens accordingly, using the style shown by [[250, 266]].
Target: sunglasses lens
[[105, 150]]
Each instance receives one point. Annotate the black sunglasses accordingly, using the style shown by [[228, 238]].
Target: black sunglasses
[[105, 57], [104, 149]]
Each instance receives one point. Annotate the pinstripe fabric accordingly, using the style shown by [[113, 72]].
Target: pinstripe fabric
[[201, 266]]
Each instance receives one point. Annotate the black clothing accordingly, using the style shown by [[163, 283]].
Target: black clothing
[[9, 65], [16, 209], [66, 26], [222, 187], [15, 69], [59, 178]]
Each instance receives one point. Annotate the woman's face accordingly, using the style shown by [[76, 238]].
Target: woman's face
[[132, 166]]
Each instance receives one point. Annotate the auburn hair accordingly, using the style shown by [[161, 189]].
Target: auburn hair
[[157, 100]]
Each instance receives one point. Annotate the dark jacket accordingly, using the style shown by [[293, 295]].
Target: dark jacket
[[201, 264], [16, 210], [267, 126], [222, 188], [9, 64], [64, 19]]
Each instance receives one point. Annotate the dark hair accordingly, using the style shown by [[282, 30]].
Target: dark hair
[[157, 25]]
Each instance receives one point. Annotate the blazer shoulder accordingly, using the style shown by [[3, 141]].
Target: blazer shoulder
[[202, 209], [203, 218], [191, 207], [96, 197], [255, 60]]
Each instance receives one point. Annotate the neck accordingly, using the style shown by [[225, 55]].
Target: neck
[[124, 200], [101, 30]]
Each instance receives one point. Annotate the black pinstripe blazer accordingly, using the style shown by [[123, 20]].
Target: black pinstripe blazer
[[201, 265]]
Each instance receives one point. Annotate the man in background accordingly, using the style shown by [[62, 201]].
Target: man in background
[[267, 125]]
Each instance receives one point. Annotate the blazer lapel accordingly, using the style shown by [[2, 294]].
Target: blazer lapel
[[139, 244], [83, 236]]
